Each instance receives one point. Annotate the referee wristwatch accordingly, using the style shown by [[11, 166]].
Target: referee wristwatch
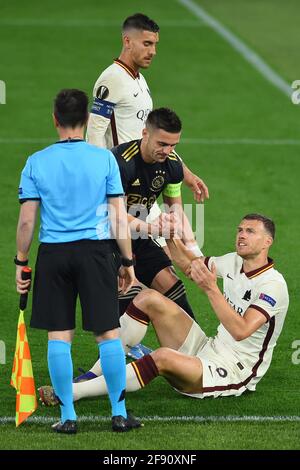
[[20, 263], [126, 262]]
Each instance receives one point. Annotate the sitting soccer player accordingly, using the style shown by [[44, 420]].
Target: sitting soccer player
[[251, 314]]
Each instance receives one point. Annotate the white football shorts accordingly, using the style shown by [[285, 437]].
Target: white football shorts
[[223, 373]]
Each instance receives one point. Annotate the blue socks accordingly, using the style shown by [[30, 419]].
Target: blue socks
[[113, 365], [114, 370], [61, 372]]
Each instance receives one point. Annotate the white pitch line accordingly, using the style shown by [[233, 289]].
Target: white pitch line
[[254, 59], [164, 419], [186, 141]]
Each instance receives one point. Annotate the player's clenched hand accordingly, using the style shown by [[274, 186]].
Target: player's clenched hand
[[168, 225], [202, 276], [126, 278], [22, 286]]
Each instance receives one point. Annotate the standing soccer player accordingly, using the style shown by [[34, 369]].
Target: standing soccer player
[[75, 184], [122, 99], [122, 102]]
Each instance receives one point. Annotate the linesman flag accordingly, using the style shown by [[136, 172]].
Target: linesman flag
[[22, 376]]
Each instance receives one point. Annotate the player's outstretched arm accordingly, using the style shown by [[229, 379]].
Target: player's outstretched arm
[[185, 231], [180, 255]]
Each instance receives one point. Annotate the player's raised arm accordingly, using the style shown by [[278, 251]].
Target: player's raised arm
[[180, 255], [189, 248]]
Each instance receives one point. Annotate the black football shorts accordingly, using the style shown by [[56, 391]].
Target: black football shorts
[[150, 259], [63, 271]]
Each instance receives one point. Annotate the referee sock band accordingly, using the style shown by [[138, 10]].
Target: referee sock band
[[145, 369], [61, 372]]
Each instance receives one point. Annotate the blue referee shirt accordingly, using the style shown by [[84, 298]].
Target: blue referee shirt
[[73, 180]]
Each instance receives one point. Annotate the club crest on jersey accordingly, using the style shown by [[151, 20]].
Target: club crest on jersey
[[247, 295], [268, 299], [102, 92], [157, 183]]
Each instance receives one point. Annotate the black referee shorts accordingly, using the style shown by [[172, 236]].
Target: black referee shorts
[[87, 268], [150, 259]]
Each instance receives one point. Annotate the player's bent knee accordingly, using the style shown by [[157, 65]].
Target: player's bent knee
[[148, 301], [163, 359]]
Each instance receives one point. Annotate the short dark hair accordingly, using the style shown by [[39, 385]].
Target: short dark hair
[[71, 107], [140, 22], [268, 223], [164, 118]]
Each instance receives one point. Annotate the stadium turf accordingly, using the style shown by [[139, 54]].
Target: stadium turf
[[241, 135]]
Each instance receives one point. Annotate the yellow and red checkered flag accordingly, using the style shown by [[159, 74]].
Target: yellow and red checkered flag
[[22, 376]]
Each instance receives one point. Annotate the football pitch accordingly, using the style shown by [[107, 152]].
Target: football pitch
[[240, 134]]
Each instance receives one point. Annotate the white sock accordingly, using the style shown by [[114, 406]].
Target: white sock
[[96, 369], [131, 333], [97, 387]]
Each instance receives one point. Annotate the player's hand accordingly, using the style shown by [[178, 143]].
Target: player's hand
[[167, 226], [202, 276], [22, 286], [126, 278], [196, 185]]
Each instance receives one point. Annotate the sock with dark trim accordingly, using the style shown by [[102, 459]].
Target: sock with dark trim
[[145, 369], [113, 366], [134, 325], [125, 299], [177, 293]]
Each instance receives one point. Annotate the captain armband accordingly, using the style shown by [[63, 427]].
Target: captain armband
[[102, 108], [172, 190]]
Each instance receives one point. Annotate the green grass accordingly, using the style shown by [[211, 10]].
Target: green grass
[[207, 436], [266, 26], [219, 96]]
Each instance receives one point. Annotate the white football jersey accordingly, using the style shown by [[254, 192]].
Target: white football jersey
[[264, 290], [122, 102]]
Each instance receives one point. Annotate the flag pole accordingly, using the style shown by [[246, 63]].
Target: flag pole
[[22, 376]]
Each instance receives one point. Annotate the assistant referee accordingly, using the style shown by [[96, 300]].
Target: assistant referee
[[79, 191]]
